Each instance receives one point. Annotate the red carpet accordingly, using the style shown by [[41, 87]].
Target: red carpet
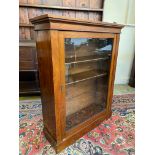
[[113, 137]]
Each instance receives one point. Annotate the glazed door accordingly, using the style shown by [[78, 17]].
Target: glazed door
[[87, 59]]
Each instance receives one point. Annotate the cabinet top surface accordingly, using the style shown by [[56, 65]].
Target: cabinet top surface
[[51, 18]]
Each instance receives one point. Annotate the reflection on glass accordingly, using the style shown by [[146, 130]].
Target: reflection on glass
[[87, 64]]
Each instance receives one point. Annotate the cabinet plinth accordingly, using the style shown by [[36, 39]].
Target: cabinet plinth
[[77, 62]]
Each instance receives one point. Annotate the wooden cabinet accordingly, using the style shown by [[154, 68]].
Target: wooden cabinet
[[28, 71], [83, 9], [77, 62], [27, 58]]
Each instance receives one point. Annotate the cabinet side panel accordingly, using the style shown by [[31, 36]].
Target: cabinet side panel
[[58, 87], [46, 81]]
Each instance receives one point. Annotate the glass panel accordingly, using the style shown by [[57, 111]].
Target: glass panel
[[87, 63]]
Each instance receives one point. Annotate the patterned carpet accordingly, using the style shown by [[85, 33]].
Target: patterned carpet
[[115, 136]]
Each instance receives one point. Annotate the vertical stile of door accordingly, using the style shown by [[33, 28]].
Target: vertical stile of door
[[62, 82], [112, 72], [57, 83]]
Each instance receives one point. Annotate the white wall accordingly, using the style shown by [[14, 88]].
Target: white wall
[[122, 12], [125, 55]]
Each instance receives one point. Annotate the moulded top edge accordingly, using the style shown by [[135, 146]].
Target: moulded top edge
[[50, 18]]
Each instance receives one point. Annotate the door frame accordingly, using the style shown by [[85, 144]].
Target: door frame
[[97, 118]]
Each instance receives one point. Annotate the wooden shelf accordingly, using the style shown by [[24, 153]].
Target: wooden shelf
[[60, 7], [83, 76], [33, 92], [85, 59], [33, 70], [28, 43], [25, 25]]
